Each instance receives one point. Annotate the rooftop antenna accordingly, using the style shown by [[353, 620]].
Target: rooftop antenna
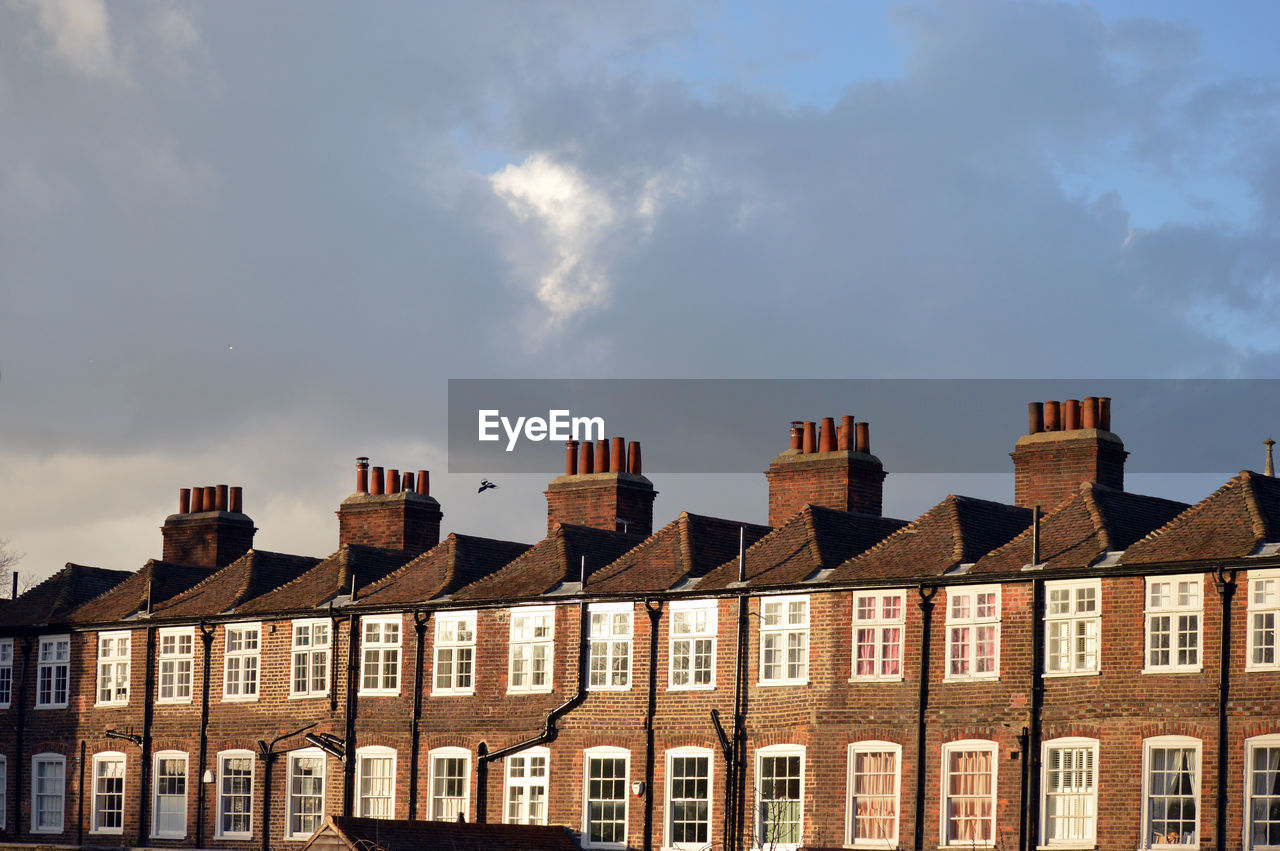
[[742, 553], [1270, 469], [582, 572]]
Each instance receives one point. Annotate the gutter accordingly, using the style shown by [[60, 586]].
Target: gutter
[[420, 627], [484, 756]]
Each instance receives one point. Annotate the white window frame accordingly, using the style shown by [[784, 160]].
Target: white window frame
[[1264, 621], [1080, 623], [291, 802], [527, 782], [448, 753], [783, 631], [95, 811], [61, 762], [4, 791], [223, 758], [972, 622], [374, 752], [882, 629], [1174, 612], [774, 751], [1271, 740], [615, 646], [709, 612], [57, 662], [589, 755], [305, 649], [458, 650], [1162, 743], [526, 645], [114, 667], [382, 653], [247, 659], [873, 747], [669, 798], [182, 680], [159, 758], [1090, 796], [944, 807], [6, 672]]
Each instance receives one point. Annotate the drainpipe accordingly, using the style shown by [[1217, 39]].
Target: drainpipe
[[353, 675], [80, 800], [148, 714], [21, 729], [922, 704], [267, 753], [1031, 757], [484, 756], [206, 639], [1225, 582], [420, 628], [739, 793], [654, 608]]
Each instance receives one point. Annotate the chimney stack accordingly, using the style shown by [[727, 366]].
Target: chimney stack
[[832, 468], [210, 528], [605, 490], [1058, 453], [392, 512]]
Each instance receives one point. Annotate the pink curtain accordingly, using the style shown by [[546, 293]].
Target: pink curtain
[[969, 806], [875, 816]]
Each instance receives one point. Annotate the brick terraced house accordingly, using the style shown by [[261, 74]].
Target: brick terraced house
[[1084, 668]]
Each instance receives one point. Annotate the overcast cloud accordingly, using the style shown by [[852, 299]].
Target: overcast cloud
[[245, 244]]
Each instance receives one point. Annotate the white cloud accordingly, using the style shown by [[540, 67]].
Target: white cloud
[[80, 35]]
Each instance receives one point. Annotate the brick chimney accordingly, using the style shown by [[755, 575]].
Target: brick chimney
[[1066, 443], [390, 511], [829, 466], [605, 491], [210, 528]]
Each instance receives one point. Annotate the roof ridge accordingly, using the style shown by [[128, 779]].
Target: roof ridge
[[1181, 516], [1095, 514]]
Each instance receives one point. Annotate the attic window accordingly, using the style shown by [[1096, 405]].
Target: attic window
[[1265, 549], [958, 569]]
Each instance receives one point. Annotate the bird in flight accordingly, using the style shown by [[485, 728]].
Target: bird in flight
[[485, 484]]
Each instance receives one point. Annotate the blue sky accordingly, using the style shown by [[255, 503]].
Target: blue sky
[[245, 244]]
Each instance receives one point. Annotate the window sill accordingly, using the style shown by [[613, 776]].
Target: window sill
[[979, 678], [379, 693], [230, 837], [774, 683], [1083, 845], [856, 678], [1058, 675], [711, 687], [1196, 670], [307, 695], [519, 691], [114, 704], [241, 699], [46, 831], [168, 836], [453, 693], [173, 702], [51, 706], [107, 832]]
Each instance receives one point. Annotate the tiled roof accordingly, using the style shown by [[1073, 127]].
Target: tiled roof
[[1231, 522], [813, 539], [1097, 520], [255, 573], [958, 530], [160, 580], [689, 546], [55, 598], [330, 578], [555, 559], [456, 561], [403, 835]]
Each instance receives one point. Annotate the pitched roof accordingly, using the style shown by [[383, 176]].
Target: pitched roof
[[1096, 520], [55, 598], [689, 546], [330, 578], [443, 569], [813, 539], [255, 573], [1231, 522], [555, 559], [958, 530], [370, 834], [157, 580]]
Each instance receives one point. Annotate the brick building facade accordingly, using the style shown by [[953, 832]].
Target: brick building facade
[[1100, 673]]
